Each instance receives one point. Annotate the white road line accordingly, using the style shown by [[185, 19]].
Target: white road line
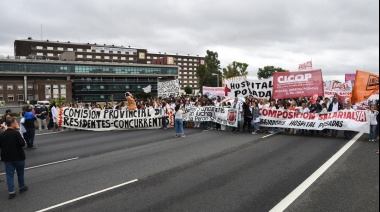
[[269, 135], [49, 133], [88, 195], [48, 164], [310, 180]]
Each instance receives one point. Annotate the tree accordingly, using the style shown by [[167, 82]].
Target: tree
[[188, 90], [140, 94], [268, 71], [211, 66], [235, 69]]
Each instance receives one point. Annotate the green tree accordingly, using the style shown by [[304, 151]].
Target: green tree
[[211, 66], [268, 71], [188, 90], [235, 69], [140, 94]]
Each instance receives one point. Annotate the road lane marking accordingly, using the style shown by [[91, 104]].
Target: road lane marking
[[310, 180], [48, 164], [48, 133], [88, 195], [269, 135]]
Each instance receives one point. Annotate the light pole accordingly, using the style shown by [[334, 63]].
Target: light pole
[[217, 77]]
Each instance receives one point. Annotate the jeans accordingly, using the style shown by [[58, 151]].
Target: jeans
[[334, 132], [179, 126], [10, 168], [348, 134], [30, 139], [372, 132], [247, 123], [255, 126], [41, 122]]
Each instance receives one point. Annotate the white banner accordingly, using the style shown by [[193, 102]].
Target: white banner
[[332, 85], [213, 92], [224, 116], [244, 88], [342, 94], [168, 88], [105, 120], [341, 120]]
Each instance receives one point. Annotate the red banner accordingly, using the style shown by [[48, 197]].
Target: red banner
[[297, 84], [308, 64]]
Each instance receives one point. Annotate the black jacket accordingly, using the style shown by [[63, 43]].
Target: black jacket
[[11, 143], [340, 107]]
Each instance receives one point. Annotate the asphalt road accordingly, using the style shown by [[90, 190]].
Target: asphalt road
[[206, 171]]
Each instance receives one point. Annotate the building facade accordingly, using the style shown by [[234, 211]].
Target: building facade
[[23, 80], [102, 53]]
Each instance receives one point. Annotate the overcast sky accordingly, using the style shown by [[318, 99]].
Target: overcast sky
[[339, 36]]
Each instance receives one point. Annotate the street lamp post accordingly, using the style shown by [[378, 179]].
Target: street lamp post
[[217, 77]]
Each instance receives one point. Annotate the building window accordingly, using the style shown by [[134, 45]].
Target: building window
[[11, 98], [79, 56], [39, 47], [20, 87], [1, 87], [20, 97], [9, 87], [131, 58], [60, 48], [79, 50], [50, 48], [106, 57], [30, 87], [98, 57], [88, 56], [50, 54], [1, 97], [40, 54]]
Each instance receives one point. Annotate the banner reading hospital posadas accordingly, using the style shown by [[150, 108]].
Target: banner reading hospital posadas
[[297, 84], [366, 84], [168, 88], [341, 120], [243, 88]]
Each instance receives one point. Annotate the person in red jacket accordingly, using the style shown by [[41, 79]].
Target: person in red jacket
[[11, 144]]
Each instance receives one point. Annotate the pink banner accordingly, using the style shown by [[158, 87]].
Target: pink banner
[[308, 64], [297, 84], [351, 78]]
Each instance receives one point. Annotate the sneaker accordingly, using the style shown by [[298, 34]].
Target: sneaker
[[175, 136], [23, 189], [183, 136], [33, 147], [370, 140], [11, 196], [254, 133]]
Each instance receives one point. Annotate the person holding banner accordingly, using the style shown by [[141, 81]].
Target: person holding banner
[[373, 122], [179, 121], [248, 116], [256, 118], [237, 106], [293, 107], [348, 133], [335, 106], [164, 112]]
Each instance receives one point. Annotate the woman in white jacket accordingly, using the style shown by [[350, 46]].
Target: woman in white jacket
[[373, 122]]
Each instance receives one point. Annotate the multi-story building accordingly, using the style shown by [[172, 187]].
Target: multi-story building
[[29, 79], [103, 53]]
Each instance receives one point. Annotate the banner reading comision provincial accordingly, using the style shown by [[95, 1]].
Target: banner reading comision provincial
[[297, 84], [168, 88]]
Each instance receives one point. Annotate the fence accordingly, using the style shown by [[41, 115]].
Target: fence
[[14, 109]]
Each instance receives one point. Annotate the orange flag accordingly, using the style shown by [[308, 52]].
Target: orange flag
[[366, 84]]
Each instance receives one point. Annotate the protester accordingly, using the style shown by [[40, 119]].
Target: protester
[[323, 112], [54, 113], [11, 144], [41, 117], [348, 133], [30, 128], [373, 122], [256, 118], [335, 106], [237, 106], [164, 112], [198, 123], [179, 121], [248, 116]]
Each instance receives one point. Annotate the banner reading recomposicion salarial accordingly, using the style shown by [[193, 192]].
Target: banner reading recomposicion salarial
[[341, 120]]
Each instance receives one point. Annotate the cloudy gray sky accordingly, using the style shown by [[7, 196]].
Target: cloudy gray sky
[[339, 36]]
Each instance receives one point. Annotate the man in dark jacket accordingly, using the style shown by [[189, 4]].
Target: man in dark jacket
[[11, 143], [30, 128]]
